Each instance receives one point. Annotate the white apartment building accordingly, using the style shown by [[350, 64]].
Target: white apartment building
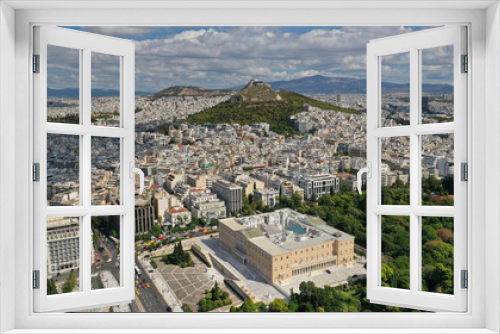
[[269, 196], [317, 183], [63, 240], [178, 216]]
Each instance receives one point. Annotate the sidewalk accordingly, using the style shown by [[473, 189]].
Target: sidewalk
[[162, 286]]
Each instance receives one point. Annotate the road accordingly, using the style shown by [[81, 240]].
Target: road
[[111, 252], [150, 297]]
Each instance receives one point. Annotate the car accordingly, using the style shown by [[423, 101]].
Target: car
[[147, 285], [328, 271], [354, 276], [143, 286], [136, 282], [109, 260], [137, 291]]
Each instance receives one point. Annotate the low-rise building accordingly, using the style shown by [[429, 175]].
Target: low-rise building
[[205, 204], [197, 181], [318, 184], [269, 196], [178, 216], [285, 243], [173, 180]]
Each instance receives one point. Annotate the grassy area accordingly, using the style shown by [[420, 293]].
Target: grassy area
[[275, 113]]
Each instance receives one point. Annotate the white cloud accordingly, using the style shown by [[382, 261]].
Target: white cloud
[[227, 57]]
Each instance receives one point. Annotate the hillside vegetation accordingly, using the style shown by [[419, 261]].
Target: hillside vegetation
[[275, 113]]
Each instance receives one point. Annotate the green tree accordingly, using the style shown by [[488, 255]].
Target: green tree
[[278, 305], [70, 283], [51, 287]]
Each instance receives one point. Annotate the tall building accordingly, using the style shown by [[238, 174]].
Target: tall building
[[144, 218], [63, 244], [285, 243], [231, 194]]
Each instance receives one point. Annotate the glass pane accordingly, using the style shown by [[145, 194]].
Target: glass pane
[[395, 266], [395, 170], [63, 183], [105, 171], [105, 89], [437, 84], [105, 252], [63, 255], [63, 85], [395, 77], [437, 169], [437, 254]]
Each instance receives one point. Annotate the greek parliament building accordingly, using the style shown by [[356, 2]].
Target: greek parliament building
[[285, 243]]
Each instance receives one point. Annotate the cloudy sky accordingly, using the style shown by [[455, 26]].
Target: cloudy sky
[[222, 57]]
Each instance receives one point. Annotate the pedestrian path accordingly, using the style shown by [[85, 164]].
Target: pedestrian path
[[163, 287]]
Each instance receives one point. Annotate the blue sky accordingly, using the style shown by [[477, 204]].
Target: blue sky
[[221, 57]]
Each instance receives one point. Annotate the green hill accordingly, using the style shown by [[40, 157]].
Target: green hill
[[274, 112]]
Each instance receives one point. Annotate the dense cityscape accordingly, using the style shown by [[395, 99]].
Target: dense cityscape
[[258, 187]]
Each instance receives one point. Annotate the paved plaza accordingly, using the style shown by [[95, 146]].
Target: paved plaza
[[189, 284]]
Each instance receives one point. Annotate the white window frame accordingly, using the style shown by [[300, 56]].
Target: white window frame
[[484, 51], [85, 44], [412, 44]]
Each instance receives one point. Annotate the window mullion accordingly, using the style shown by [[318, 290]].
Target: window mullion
[[86, 170], [414, 170]]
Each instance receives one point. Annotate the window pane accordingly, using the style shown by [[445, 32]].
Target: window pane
[[395, 170], [437, 169], [105, 252], [437, 254], [63, 85], [395, 266], [105, 90], [63, 255], [63, 183], [437, 84], [395, 77], [105, 171]]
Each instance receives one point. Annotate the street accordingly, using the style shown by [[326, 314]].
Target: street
[[150, 298]]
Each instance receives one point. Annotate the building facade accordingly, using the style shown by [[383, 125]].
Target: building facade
[[284, 244], [317, 184], [144, 218], [205, 204], [63, 244], [231, 194], [269, 196], [178, 216]]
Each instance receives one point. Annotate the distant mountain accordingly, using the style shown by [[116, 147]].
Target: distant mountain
[[257, 103], [319, 84], [192, 91], [74, 92]]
